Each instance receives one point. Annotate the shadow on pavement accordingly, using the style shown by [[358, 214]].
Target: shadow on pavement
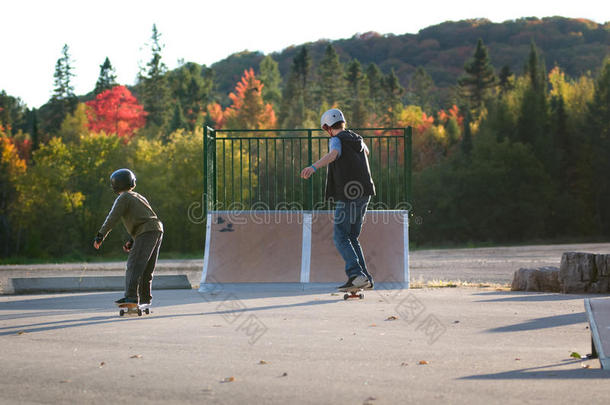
[[543, 323], [226, 305], [74, 323], [520, 296], [540, 373]]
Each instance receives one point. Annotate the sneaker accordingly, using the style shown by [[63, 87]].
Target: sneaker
[[347, 284], [125, 300], [355, 282], [371, 284]]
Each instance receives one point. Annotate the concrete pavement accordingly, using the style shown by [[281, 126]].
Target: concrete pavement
[[234, 346]]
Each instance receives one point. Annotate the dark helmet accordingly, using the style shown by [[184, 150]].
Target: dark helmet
[[122, 180]]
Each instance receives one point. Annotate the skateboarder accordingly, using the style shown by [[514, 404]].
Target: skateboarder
[[350, 186], [146, 231]]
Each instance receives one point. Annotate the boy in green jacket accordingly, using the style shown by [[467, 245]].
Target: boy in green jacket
[[146, 231]]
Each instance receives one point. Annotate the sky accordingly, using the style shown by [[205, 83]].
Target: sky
[[33, 33]]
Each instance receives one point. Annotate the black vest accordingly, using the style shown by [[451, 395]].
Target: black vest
[[349, 176]]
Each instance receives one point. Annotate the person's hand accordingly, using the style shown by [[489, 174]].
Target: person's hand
[[307, 172], [97, 241], [127, 246]]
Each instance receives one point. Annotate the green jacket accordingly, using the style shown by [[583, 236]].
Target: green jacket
[[136, 213]]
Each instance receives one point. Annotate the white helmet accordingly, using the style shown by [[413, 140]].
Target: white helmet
[[331, 117]]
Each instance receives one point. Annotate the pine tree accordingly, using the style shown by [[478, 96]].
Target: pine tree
[[106, 79], [533, 121], [357, 94], [192, 84], [478, 80], [375, 82], [391, 98], [296, 98], [155, 89], [32, 127], [421, 89], [63, 101], [178, 121], [504, 80], [331, 82], [271, 79]]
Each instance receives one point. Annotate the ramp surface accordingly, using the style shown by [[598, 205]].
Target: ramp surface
[[297, 247], [249, 246], [382, 242]]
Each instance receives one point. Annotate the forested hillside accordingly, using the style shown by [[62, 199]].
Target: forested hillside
[[577, 46], [511, 134]]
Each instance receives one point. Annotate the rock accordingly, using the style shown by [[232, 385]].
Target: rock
[[576, 266], [602, 262], [584, 272], [537, 279]]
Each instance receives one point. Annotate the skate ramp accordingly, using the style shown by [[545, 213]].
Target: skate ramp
[[250, 246], [297, 247], [382, 240]]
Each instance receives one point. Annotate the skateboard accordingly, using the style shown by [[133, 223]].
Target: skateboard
[[133, 309], [354, 292]]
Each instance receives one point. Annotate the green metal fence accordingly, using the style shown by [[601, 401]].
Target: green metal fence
[[260, 169]]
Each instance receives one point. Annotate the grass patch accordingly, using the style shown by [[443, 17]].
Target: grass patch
[[436, 283]]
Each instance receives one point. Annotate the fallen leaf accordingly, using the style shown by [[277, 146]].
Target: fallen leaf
[[372, 325], [136, 356], [368, 401], [575, 355], [583, 365], [517, 359], [285, 375], [262, 362], [456, 321], [102, 364], [334, 294], [228, 379], [21, 332], [65, 381], [391, 318], [422, 362], [404, 364]]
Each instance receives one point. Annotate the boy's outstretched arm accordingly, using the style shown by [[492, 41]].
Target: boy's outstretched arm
[[323, 162], [116, 212]]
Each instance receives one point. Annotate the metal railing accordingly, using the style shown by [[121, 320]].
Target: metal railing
[[260, 169]]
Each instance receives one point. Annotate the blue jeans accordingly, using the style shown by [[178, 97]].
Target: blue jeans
[[347, 225]]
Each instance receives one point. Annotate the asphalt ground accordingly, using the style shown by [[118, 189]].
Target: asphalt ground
[[447, 345]]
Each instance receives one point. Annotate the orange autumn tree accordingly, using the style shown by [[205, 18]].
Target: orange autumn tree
[[116, 111], [248, 110]]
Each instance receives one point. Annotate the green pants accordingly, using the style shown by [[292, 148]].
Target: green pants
[[141, 265]]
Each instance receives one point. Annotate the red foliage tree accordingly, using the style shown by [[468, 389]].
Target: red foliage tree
[[248, 110], [116, 111]]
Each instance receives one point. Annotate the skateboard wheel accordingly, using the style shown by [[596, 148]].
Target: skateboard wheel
[[346, 296], [121, 312], [139, 312], [361, 296], [147, 311]]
